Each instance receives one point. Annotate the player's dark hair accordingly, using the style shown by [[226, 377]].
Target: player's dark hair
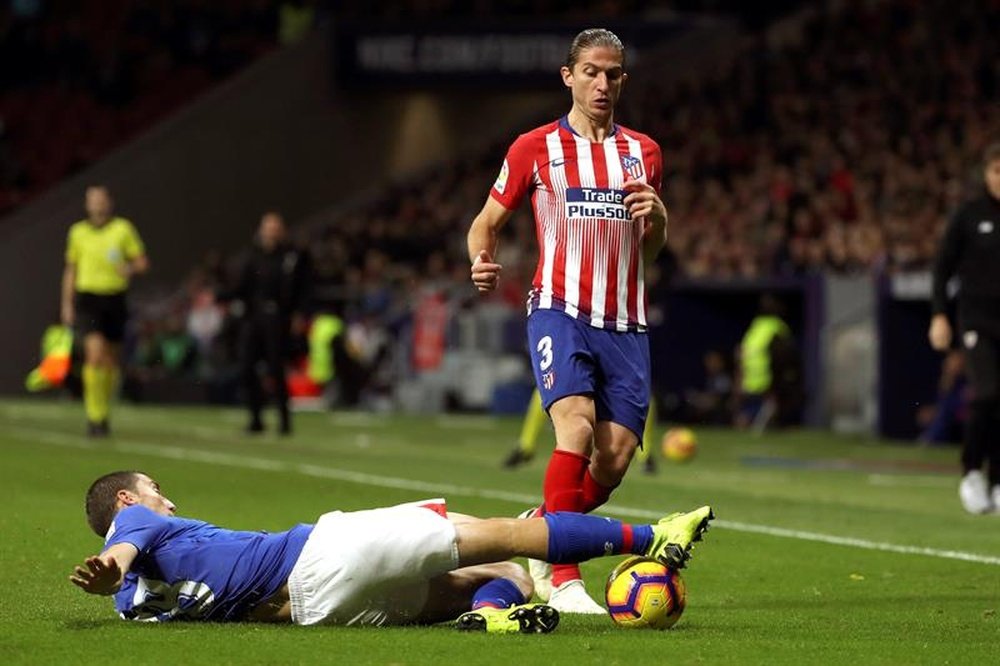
[[102, 495], [590, 38], [991, 153]]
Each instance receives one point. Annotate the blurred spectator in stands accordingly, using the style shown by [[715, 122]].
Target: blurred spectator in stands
[[204, 320], [366, 378], [78, 78]]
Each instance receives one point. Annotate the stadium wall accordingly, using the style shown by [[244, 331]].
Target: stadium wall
[[276, 136]]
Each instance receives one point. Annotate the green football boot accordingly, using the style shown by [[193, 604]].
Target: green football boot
[[524, 619], [674, 534]]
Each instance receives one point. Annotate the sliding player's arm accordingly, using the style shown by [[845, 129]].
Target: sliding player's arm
[[103, 574]]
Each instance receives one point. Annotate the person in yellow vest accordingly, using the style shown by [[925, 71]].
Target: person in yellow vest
[[765, 356], [103, 252]]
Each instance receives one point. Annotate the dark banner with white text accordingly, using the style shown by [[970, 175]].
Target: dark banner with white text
[[411, 56]]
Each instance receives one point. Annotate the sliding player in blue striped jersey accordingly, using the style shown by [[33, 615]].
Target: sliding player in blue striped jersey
[[414, 563]]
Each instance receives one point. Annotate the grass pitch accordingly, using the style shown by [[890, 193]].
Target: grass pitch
[[827, 549]]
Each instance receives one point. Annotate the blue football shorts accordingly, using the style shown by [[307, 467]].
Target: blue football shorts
[[570, 357]]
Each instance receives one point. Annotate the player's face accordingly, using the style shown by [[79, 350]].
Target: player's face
[[596, 80], [272, 230], [97, 202], [992, 176], [148, 494]]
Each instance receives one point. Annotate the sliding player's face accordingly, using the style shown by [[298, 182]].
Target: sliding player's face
[[596, 80], [147, 493], [992, 175]]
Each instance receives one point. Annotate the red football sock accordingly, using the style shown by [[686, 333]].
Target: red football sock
[[594, 494], [563, 491]]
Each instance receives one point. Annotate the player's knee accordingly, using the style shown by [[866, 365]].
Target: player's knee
[[516, 574], [574, 431], [616, 462]]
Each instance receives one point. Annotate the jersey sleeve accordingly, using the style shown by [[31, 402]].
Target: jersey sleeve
[[132, 246], [654, 166], [72, 246], [138, 526], [516, 174]]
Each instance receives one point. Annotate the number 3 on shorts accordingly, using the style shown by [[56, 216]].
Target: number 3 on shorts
[[545, 349]]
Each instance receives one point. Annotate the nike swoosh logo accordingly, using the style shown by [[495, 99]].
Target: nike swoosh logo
[[555, 164]]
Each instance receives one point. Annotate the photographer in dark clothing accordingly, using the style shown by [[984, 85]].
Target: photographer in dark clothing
[[970, 250], [273, 289]]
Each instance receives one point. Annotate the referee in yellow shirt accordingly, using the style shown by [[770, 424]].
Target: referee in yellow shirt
[[102, 253]]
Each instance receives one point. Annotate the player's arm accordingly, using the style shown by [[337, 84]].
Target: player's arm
[[136, 262], [68, 290], [103, 574], [945, 263], [482, 242], [138, 265], [66, 312], [643, 202]]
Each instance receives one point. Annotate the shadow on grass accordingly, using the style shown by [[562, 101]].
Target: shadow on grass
[[89, 625]]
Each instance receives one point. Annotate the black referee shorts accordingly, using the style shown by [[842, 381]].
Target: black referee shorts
[[100, 313], [982, 363]]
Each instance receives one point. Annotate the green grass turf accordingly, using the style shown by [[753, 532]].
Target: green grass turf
[[752, 598]]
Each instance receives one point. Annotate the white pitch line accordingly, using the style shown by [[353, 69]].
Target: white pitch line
[[447, 489]]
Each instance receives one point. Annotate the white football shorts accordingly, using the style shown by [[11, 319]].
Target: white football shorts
[[372, 567]]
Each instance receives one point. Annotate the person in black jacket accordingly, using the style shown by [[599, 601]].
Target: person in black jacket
[[970, 250], [273, 288]]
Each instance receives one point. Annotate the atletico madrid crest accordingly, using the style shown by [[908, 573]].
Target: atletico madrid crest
[[549, 380], [632, 166]]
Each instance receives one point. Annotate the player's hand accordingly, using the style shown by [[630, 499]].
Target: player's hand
[[939, 333], [642, 201], [485, 273], [98, 576], [124, 269], [66, 314]]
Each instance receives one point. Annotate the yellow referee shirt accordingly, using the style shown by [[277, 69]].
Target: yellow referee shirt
[[98, 252]]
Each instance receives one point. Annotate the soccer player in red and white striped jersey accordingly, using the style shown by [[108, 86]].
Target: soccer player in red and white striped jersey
[[594, 188]]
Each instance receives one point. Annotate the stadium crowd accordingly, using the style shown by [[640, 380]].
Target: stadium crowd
[[99, 72], [841, 151], [797, 158]]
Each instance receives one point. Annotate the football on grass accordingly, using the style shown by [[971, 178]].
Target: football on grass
[[679, 444], [643, 593]]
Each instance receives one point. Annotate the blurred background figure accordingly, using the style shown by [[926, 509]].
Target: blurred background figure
[[944, 422], [769, 370], [103, 252], [713, 403], [272, 293], [970, 250]]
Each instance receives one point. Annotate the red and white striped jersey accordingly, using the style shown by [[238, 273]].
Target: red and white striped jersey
[[590, 251]]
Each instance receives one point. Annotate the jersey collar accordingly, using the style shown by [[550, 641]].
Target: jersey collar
[[564, 123]]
